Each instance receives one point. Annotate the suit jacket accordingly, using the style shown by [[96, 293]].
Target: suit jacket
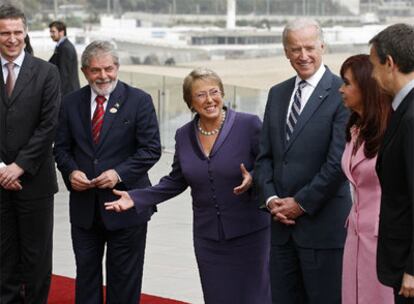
[[66, 59], [395, 165], [213, 178], [129, 143], [359, 278], [308, 166], [28, 124]]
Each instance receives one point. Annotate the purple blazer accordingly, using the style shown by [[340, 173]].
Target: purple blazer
[[213, 178]]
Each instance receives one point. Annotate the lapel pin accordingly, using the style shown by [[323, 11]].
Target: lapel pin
[[113, 110]]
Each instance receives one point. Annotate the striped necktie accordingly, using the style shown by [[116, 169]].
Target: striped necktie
[[295, 109], [97, 118]]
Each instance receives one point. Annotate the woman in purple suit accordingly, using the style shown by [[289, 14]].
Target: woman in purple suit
[[214, 156]]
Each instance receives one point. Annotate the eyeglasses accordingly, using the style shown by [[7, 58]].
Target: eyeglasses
[[202, 96]]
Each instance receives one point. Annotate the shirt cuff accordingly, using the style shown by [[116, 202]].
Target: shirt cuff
[[2, 165], [119, 177], [300, 206], [270, 198]]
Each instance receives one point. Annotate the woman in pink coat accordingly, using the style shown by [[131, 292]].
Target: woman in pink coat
[[370, 110]]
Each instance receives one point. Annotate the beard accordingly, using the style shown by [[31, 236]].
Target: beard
[[104, 91]]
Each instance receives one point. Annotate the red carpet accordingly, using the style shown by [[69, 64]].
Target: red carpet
[[62, 291]]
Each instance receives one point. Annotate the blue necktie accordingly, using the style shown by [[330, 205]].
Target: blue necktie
[[295, 110]]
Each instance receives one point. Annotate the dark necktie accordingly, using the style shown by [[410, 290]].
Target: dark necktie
[[11, 78], [97, 119], [295, 110]]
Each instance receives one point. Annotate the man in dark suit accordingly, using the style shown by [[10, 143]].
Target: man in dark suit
[[299, 176], [107, 138], [65, 58], [393, 61], [29, 108]]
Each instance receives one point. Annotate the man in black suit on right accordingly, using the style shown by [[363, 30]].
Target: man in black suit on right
[[65, 58], [392, 55]]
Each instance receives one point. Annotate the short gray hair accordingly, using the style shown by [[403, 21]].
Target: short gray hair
[[99, 47], [301, 23], [196, 74]]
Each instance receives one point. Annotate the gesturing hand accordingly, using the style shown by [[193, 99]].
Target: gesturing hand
[[122, 204], [246, 182]]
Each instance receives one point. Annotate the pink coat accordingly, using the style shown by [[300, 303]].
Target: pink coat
[[360, 284]]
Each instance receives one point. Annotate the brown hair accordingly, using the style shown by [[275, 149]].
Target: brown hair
[[376, 105], [196, 74]]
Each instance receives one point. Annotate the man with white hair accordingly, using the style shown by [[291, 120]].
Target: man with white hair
[[299, 174], [107, 139]]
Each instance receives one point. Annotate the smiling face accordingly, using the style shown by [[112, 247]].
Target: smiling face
[[351, 93], [102, 73], [207, 100], [304, 50], [12, 34]]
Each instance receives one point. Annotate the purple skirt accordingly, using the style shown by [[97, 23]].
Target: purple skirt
[[235, 270]]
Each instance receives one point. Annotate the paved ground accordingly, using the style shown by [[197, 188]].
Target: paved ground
[[170, 269]]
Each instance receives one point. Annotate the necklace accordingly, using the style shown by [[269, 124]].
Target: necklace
[[214, 131]]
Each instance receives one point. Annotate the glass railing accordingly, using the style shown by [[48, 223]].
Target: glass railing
[[171, 109]]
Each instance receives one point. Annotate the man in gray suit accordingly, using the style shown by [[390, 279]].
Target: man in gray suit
[[299, 175], [29, 106]]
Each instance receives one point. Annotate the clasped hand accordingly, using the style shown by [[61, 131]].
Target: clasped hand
[[285, 210], [80, 182], [9, 177], [407, 286]]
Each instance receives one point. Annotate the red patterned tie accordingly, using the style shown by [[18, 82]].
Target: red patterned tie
[[97, 119]]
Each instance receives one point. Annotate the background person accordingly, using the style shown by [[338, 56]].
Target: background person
[[299, 176], [213, 154], [29, 106], [107, 138], [64, 57], [370, 110]]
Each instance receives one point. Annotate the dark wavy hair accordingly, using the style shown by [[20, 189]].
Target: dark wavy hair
[[376, 107]]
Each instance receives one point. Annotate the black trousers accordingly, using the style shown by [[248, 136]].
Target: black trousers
[[125, 249], [26, 236], [305, 275]]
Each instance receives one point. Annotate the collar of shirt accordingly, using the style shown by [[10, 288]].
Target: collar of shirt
[[61, 41], [307, 91], [399, 97], [18, 64], [93, 102]]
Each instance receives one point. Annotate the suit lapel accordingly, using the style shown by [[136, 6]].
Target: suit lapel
[[225, 131], [347, 161], [111, 112], [318, 96], [284, 100], [25, 75], [85, 112], [396, 119]]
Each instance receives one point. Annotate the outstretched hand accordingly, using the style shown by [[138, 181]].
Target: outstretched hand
[[122, 204], [246, 182]]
